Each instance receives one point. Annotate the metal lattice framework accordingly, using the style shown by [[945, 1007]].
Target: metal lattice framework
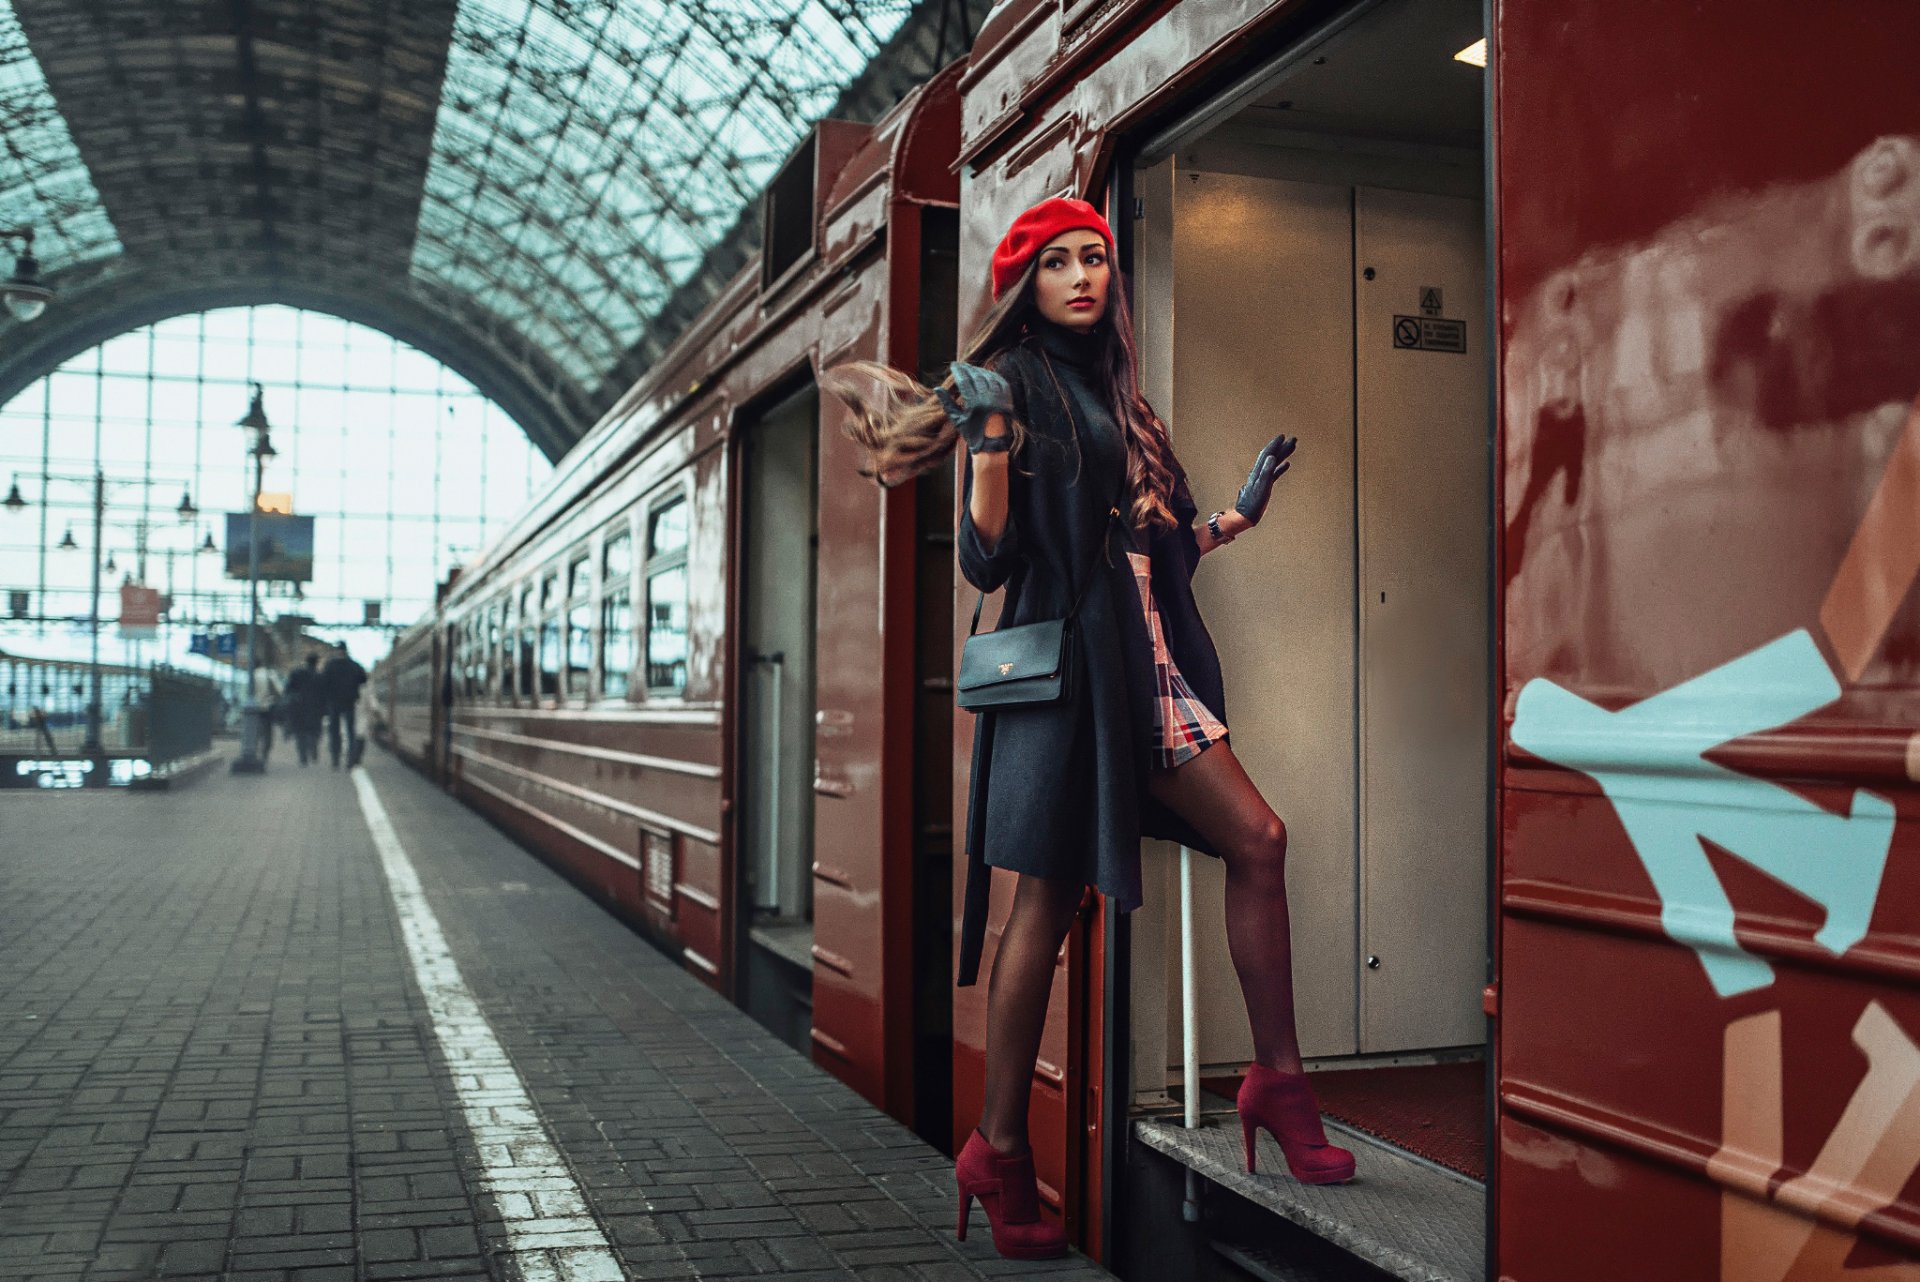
[[528, 189]]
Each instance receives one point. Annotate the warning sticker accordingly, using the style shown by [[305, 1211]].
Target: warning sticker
[[1431, 303], [1429, 334]]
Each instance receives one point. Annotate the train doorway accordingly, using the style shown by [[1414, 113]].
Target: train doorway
[[779, 533], [1310, 258]]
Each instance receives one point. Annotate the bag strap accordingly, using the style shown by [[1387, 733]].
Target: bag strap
[[1113, 509]]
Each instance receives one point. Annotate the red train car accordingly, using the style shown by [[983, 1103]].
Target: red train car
[[1577, 652], [706, 672], [1588, 601]]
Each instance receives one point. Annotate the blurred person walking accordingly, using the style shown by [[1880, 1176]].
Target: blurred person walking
[[306, 703], [267, 693], [340, 683]]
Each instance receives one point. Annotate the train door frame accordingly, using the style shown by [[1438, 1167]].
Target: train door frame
[[1146, 143], [933, 499], [745, 953]]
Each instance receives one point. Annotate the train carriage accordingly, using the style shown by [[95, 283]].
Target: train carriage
[[1587, 601], [1577, 651], [408, 687], [694, 673]]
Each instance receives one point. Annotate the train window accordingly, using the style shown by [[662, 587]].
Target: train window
[[509, 644], [550, 635], [616, 615], [666, 602], [529, 635], [494, 668], [463, 659], [786, 215], [579, 624]]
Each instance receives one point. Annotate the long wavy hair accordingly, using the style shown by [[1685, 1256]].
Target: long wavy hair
[[905, 431]]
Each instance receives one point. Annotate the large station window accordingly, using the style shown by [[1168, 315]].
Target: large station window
[[616, 615], [667, 597], [579, 625]]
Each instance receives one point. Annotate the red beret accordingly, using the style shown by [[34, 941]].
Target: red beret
[[1032, 230]]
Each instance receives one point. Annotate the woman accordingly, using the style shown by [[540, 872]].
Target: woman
[[306, 704], [1062, 793]]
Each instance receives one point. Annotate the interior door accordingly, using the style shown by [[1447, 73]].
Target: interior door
[[779, 509], [1422, 486], [1261, 342]]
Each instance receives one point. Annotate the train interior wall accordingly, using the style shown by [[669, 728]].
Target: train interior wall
[[1314, 263], [778, 457]]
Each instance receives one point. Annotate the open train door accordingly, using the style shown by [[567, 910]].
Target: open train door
[[1708, 926]]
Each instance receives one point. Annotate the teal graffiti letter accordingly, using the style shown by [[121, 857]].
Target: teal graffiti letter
[[1648, 759]]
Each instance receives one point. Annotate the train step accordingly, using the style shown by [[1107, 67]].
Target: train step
[[1270, 1264], [1405, 1216]]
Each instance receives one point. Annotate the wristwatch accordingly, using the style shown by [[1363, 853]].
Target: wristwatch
[[1213, 528]]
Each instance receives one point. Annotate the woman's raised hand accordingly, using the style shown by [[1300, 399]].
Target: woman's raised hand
[[983, 396], [1268, 465]]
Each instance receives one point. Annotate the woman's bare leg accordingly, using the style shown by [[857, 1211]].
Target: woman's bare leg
[[1213, 793], [1017, 995]]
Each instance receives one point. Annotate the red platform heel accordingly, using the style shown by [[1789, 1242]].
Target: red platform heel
[[1010, 1196], [1284, 1104]]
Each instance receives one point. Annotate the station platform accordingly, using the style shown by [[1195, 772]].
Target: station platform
[[319, 1025]]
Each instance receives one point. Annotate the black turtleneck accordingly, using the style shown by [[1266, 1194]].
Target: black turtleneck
[[1075, 358], [1071, 345]]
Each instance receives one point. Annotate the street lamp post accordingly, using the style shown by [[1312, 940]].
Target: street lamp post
[[93, 747], [251, 760]]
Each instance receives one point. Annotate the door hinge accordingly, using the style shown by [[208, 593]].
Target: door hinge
[[1490, 1000]]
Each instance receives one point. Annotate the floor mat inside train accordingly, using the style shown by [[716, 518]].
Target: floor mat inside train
[[1436, 1111]]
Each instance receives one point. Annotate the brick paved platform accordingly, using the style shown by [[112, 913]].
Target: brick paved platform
[[215, 1062]]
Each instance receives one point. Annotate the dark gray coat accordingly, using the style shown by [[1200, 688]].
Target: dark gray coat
[[1061, 791]]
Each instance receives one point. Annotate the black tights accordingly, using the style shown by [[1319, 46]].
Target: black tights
[[1213, 793]]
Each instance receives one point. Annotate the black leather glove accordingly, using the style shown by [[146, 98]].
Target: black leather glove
[[1268, 465], [982, 393]]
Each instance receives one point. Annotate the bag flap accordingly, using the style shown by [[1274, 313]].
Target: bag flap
[[1012, 654]]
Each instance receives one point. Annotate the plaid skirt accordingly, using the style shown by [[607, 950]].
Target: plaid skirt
[[1183, 726]]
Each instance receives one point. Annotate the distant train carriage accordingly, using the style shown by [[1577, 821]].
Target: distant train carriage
[[410, 687], [706, 673]]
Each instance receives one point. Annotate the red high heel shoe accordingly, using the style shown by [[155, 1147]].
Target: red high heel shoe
[[1010, 1196], [1284, 1104]]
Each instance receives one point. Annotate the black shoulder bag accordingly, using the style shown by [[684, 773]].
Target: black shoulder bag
[[1032, 663]]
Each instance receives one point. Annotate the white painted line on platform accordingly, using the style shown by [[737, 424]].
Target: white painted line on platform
[[551, 1236]]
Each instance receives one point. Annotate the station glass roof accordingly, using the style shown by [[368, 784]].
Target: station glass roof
[[587, 154], [519, 187], [43, 181]]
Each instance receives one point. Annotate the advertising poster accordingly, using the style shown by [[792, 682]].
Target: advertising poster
[[286, 546]]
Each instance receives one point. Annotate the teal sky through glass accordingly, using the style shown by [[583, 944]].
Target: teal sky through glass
[[43, 182], [588, 152]]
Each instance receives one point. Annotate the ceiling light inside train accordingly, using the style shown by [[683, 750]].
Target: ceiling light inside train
[[1474, 54]]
